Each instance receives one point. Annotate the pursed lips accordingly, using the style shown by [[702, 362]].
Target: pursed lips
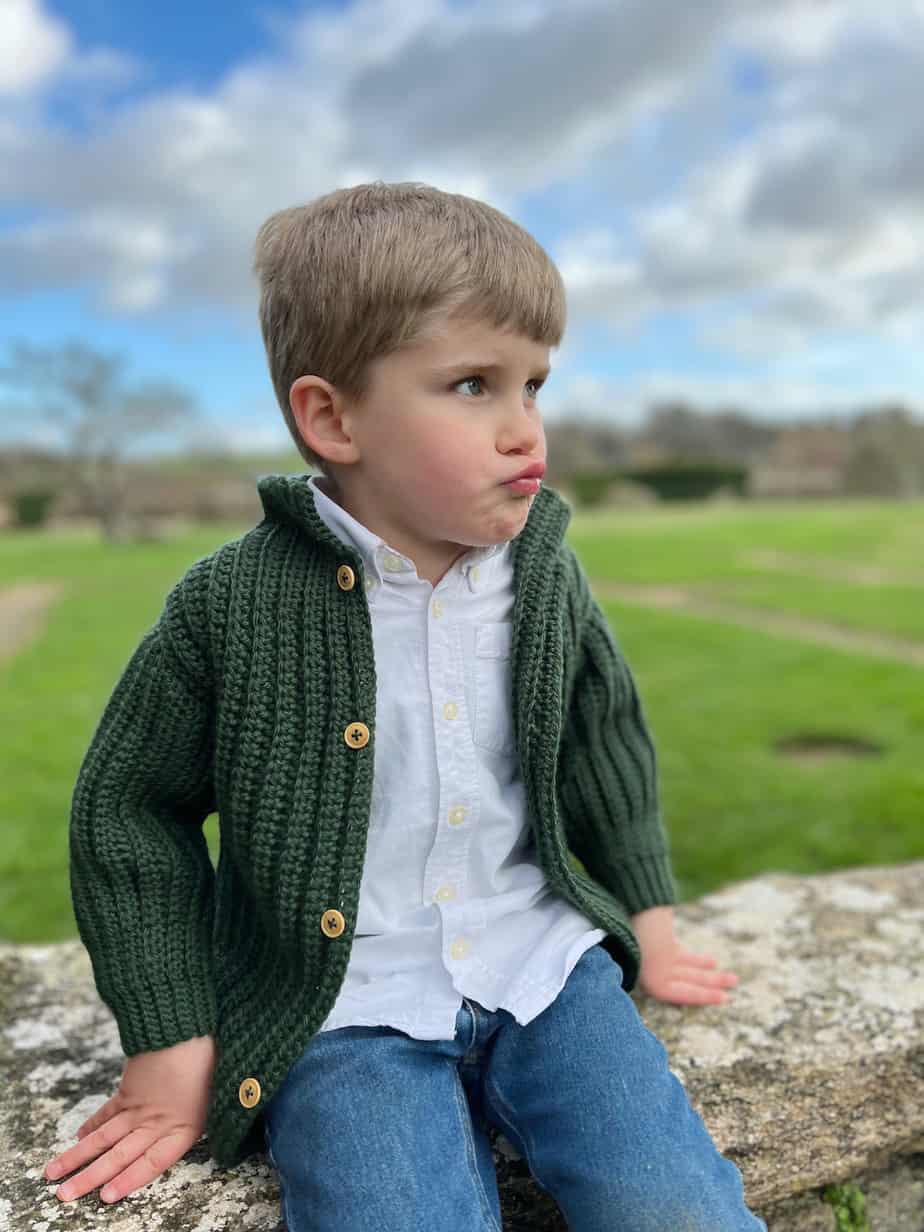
[[534, 471]]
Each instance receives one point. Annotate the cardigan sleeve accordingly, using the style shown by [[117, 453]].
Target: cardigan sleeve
[[142, 881], [608, 787]]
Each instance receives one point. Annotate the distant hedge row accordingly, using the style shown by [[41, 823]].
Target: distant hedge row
[[671, 481], [31, 506]]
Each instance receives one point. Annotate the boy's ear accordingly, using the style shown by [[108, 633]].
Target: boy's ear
[[324, 421]]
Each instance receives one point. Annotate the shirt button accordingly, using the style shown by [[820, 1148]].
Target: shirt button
[[457, 815], [450, 710], [249, 1092], [459, 948], [346, 578], [475, 574], [332, 923], [356, 735], [445, 892], [370, 582], [437, 608], [392, 562]]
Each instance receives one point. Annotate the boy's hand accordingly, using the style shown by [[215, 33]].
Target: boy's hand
[[156, 1115], [671, 973]]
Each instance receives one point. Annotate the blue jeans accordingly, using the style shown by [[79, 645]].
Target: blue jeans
[[373, 1129]]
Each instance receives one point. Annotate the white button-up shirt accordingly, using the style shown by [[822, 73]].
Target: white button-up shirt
[[453, 902]]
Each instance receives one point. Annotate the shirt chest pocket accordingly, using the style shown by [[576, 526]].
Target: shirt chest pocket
[[493, 727]]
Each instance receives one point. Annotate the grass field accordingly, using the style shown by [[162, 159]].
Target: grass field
[[719, 694]]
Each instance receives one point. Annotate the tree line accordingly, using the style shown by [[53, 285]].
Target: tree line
[[82, 399], [877, 450]]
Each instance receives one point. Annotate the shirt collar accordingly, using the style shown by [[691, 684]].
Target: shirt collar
[[386, 563]]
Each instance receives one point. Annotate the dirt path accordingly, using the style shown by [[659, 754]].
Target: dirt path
[[23, 608], [676, 598], [831, 569], [24, 605]]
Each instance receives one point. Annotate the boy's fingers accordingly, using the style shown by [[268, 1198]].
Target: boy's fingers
[[103, 1169], [114, 1130], [697, 960], [713, 979], [683, 993], [159, 1156]]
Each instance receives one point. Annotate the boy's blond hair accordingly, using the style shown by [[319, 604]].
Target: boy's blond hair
[[364, 271]]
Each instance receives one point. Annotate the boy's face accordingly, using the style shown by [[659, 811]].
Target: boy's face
[[423, 462]]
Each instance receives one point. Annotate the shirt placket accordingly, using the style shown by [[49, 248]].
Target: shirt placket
[[446, 871]]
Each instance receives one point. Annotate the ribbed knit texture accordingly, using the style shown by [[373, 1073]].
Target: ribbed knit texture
[[237, 701]]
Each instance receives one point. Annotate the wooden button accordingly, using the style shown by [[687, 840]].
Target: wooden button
[[249, 1092], [346, 578], [356, 735], [332, 923]]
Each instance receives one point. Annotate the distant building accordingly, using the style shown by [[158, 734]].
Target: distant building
[[769, 480]]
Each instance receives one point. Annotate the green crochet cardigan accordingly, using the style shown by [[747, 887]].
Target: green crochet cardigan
[[245, 698]]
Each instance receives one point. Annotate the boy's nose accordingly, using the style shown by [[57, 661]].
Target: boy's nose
[[524, 431]]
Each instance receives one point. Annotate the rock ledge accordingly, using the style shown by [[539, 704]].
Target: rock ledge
[[812, 1075]]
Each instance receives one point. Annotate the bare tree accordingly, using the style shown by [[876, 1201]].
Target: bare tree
[[584, 444], [679, 432], [82, 396], [886, 452]]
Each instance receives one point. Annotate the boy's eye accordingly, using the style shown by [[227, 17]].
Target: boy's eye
[[468, 380]]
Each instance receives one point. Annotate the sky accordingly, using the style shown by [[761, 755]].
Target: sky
[[733, 190]]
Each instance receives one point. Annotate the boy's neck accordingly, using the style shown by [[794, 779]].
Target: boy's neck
[[429, 569]]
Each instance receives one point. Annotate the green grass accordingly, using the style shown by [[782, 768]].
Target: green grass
[[708, 547], [53, 692], [717, 697]]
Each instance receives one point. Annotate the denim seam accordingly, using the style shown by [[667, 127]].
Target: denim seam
[[506, 1114], [282, 1189], [465, 1118]]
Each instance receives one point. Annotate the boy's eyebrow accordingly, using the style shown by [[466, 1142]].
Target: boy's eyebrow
[[472, 365]]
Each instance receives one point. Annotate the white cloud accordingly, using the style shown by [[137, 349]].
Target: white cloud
[[242, 436], [769, 396], [778, 219], [33, 46], [815, 221], [809, 31], [101, 67], [381, 89], [138, 251]]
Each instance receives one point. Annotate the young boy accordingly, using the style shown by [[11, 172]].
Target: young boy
[[442, 863]]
